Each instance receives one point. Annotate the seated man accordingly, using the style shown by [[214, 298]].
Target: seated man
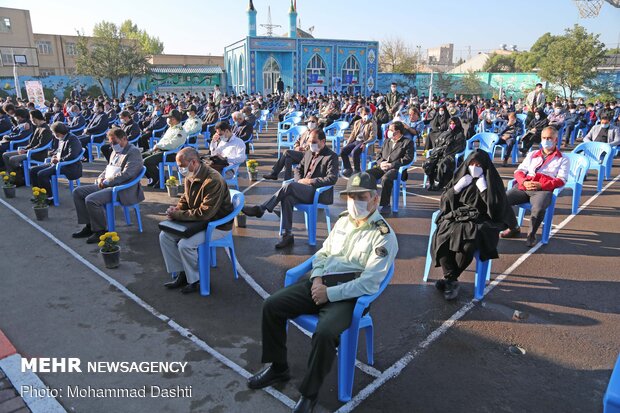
[[129, 126], [41, 137], [508, 136], [154, 122], [604, 132], [360, 232], [242, 129], [98, 124], [57, 115], [5, 121], [572, 120], [364, 131], [557, 117], [295, 155], [76, 120], [538, 175], [318, 168], [69, 148], [209, 118], [206, 198], [174, 137], [225, 148], [90, 200], [20, 131], [396, 152]]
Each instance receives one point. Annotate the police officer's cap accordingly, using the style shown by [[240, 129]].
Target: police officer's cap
[[359, 183]]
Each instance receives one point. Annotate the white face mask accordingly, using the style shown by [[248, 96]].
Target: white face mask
[[312, 125], [357, 209], [183, 171], [537, 116], [117, 148], [390, 134], [314, 147], [475, 171]]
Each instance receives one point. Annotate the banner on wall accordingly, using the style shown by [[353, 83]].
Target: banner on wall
[[34, 90]]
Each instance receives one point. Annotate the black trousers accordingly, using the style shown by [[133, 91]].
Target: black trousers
[[510, 143], [286, 161], [41, 176], [290, 194], [355, 148], [387, 183], [454, 263], [291, 302], [539, 200], [152, 160]]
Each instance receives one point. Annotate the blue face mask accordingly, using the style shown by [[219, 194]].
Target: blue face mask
[[117, 148], [605, 125], [547, 144], [158, 113]]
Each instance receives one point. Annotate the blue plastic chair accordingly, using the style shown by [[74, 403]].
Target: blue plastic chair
[[13, 145], [207, 252], [288, 137], [155, 137], [28, 162], [293, 115], [483, 268], [311, 213], [578, 169], [59, 175], [364, 156], [6, 132], [284, 126], [167, 164], [335, 134], [263, 121], [486, 140], [188, 142], [109, 207], [78, 131], [600, 158], [347, 350], [234, 180], [611, 402], [207, 134], [92, 144], [547, 220]]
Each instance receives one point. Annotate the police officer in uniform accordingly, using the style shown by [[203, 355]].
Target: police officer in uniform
[[363, 246]]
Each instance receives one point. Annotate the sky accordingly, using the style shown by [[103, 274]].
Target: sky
[[205, 27]]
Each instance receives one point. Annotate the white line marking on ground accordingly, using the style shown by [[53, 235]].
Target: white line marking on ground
[[252, 186], [395, 369], [171, 323]]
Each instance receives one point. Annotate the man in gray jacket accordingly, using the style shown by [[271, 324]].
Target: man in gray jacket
[[604, 132], [124, 166]]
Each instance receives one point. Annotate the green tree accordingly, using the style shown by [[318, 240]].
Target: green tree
[[396, 57], [527, 61], [110, 56], [471, 84], [571, 59], [500, 63], [150, 45], [444, 83]]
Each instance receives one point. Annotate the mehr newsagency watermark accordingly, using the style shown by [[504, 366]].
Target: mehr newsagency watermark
[[74, 365]]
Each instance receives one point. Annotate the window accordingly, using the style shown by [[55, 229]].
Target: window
[[44, 47], [316, 70], [71, 49], [47, 72], [7, 59], [351, 71], [5, 24]]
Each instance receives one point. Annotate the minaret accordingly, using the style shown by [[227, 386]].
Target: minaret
[[292, 14], [251, 19]]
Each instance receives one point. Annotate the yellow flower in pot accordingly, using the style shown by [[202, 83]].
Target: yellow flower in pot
[[110, 249]]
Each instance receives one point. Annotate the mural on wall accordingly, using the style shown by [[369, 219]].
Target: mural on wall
[[157, 80]]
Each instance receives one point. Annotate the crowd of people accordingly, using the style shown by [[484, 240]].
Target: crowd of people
[[137, 133]]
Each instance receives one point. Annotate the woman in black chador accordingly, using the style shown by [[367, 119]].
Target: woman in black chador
[[472, 211], [441, 163]]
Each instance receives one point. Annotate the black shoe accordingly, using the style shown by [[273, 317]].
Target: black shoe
[[267, 377], [305, 405], [434, 188], [254, 211], [441, 285], [271, 177], [452, 290], [285, 241], [179, 281], [531, 240], [347, 173], [94, 238], [191, 288], [83, 233], [385, 210], [50, 201]]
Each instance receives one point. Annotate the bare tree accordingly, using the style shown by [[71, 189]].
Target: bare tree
[[395, 56]]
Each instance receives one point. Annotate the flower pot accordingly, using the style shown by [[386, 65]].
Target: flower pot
[[9, 191], [173, 191], [240, 221], [253, 175], [41, 213], [111, 259]]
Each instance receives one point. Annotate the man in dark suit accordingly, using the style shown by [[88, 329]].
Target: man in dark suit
[[69, 148], [243, 129], [20, 131], [129, 126], [154, 122], [76, 120], [396, 152], [97, 125], [90, 200], [318, 168]]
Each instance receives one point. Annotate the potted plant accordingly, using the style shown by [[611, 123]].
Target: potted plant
[[252, 166], [110, 250], [8, 184], [39, 199], [172, 185]]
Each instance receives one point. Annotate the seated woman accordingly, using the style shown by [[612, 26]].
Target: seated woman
[[534, 129], [472, 214], [439, 125], [440, 164], [508, 136]]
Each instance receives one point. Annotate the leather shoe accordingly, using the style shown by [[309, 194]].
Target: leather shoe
[[441, 285], [531, 240], [347, 173], [271, 177], [267, 377], [510, 233], [385, 210], [452, 290], [285, 241], [94, 238], [305, 405], [253, 211], [83, 233], [191, 288], [179, 281]]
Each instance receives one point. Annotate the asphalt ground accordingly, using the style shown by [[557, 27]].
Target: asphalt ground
[[58, 300]]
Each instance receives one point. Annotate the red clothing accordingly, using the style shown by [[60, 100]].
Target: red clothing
[[548, 183]]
